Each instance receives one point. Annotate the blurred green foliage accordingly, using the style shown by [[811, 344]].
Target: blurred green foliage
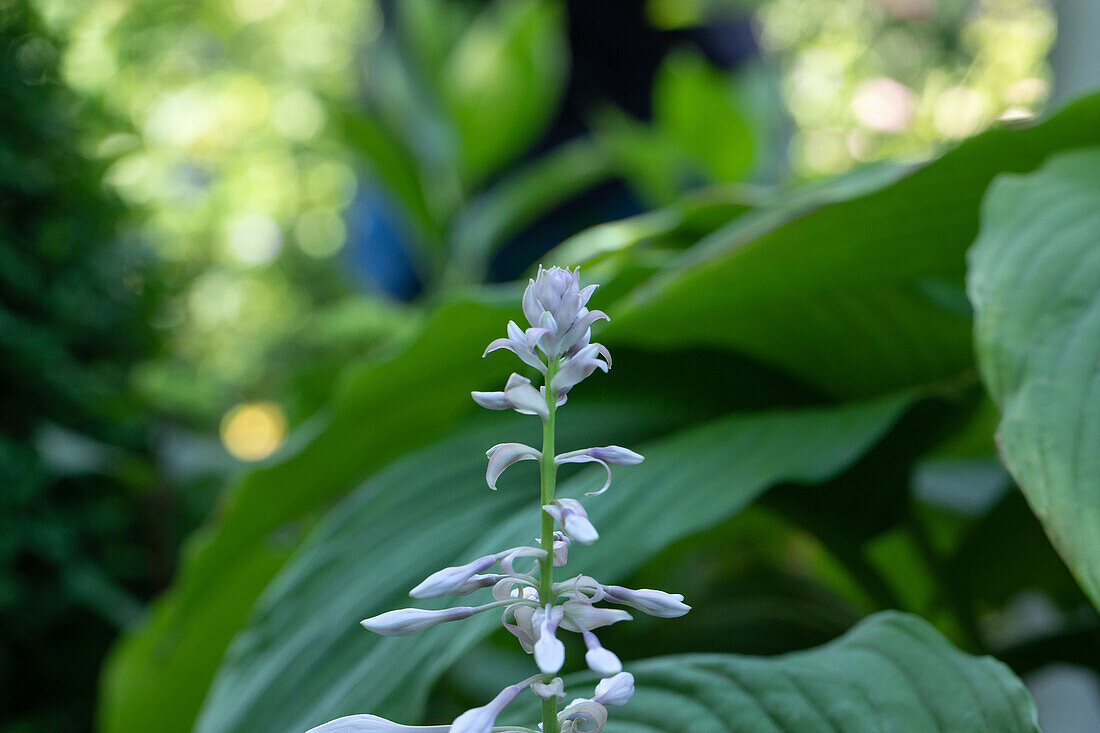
[[811, 355], [80, 549], [188, 191]]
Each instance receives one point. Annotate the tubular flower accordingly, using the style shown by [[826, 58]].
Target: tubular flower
[[573, 520], [373, 724], [603, 456], [652, 602], [534, 608]]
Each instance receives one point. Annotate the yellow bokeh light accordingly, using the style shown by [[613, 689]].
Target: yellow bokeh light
[[254, 430]]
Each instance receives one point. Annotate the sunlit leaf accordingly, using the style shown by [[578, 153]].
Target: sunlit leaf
[[1035, 283], [859, 296], [891, 673]]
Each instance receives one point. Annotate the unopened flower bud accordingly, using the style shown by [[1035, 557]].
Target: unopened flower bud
[[449, 581], [549, 651], [600, 660], [573, 520], [653, 602], [405, 621], [615, 691]]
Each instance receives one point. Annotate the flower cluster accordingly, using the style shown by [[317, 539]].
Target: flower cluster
[[534, 607]]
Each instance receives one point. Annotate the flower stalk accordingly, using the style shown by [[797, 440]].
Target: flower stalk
[[535, 609], [548, 488]]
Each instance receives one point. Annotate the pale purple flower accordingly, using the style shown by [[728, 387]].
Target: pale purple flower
[[573, 520], [652, 602], [615, 691], [508, 563], [503, 455], [521, 626], [561, 549], [450, 581], [555, 301], [405, 621], [480, 720], [373, 724], [519, 395], [608, 454], [579, 367], [600, 660], [559, 346], [522, 344]]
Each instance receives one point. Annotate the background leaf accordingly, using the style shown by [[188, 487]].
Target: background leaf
[[891, 673], [860, 296], [1035, 284], [304, 659], [503, 79], [157, 677]]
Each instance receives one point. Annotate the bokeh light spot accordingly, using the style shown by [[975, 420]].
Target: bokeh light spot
[[254, 430], [254, 239], [320, 233]]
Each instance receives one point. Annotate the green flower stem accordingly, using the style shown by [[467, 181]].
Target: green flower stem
[[546, 566]]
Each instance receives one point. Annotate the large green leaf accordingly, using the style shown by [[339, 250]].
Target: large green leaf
[[156, 677], [1035, 284], [891, 673], [857, 297], [304, 659], [502, 81]]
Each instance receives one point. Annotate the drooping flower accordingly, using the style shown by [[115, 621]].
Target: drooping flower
[[519, 395], [573, 519], [522, 344], [503, 455], [582, 615], [600, 660], [549, 652], [615, 691]]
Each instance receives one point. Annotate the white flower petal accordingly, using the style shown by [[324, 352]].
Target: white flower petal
[[524, 398], [492, 400], [555, 688], [615, 691], [503, 455], [581, 615], [373, 724]]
